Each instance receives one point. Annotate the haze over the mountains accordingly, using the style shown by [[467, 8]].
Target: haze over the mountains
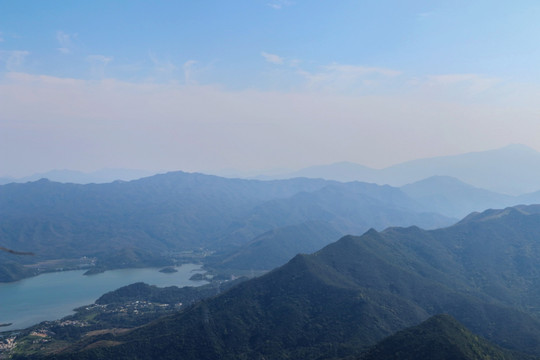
[[141, 220], [79, 177], [372, 166], [262, 84], [511, 170], [244, 220], [340, 301]]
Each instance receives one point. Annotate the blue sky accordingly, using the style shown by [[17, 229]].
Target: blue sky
[[250, 85]]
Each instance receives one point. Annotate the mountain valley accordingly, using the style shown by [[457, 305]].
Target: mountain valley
[[342, 300]]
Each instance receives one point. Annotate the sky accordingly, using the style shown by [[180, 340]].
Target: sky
[[254, 85]]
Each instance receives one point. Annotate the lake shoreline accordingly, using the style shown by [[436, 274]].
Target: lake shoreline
[[33, 270], [53, 295]]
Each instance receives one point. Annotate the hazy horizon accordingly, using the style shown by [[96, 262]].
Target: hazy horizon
[[263, 174], [255, 85]]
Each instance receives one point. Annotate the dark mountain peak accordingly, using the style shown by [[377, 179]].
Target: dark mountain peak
[[529, 209], [409, 230], [38, 183], [349, 243], [508, 213], [371, 232], [39, 187], [175, 176], [440, 337], [42, 181]]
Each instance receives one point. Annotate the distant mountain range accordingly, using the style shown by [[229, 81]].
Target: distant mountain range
[[452, 197], [514, 170], [341, 301], [511, 170], [175, 211], [79, 177], [436, 195], [248, 224], [140, 220]]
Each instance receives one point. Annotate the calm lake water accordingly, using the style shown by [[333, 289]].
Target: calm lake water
[[52, 296]]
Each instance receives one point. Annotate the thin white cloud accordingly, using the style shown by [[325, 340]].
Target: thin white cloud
[[338, 77], [189, 72], [273, 58], [98, 64], [65, 41], [102, 59], [472, 83], [279, 4], [13, 59], [426, 14], [162, 66], [355, 70], [294, 62]]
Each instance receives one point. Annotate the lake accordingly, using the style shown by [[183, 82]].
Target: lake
[[52, 296]]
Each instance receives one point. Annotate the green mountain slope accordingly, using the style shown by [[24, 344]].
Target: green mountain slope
[[348, 296], [440, 337], [174, 210], [350, 208], [10, 271], [275, 247]]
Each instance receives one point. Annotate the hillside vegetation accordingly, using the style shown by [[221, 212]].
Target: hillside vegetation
[[440, 337], [341, 300]]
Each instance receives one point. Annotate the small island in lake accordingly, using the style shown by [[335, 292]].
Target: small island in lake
[[95, 270], [198, 277], [168, 270]]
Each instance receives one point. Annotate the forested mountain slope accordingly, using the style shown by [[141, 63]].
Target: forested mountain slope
[[440, 337], [348, 296]]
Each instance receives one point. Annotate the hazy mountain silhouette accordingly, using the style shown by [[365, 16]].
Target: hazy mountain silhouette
[[181, 211], [275, 247], [155, 213], [79, 177], [451, 197], [514, 169], [350, 208]]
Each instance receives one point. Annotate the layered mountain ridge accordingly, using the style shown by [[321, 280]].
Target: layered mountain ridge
[[182, 212], [512, 170], [343, 299]]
